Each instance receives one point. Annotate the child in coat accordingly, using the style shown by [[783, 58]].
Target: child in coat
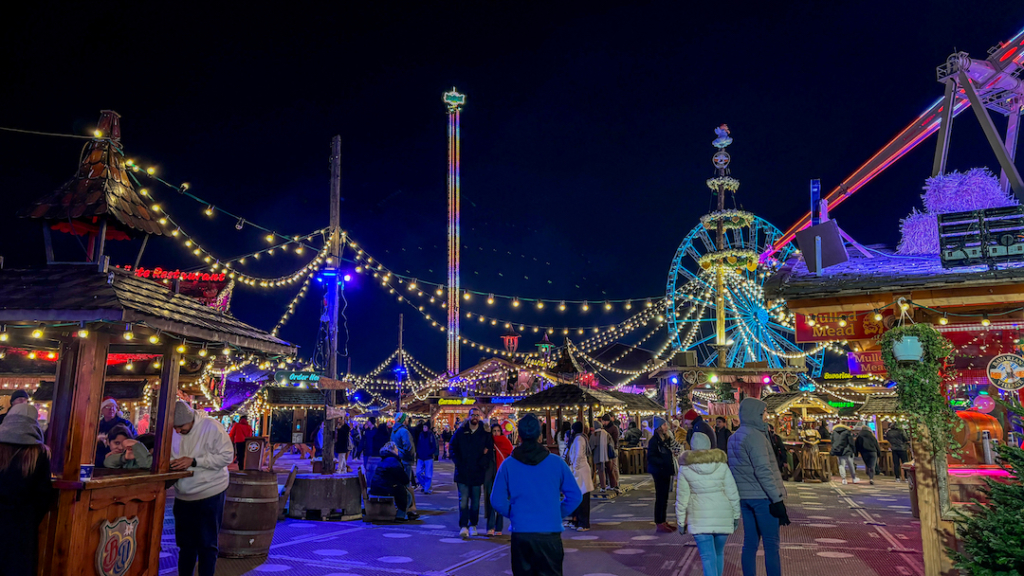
[[707, 501]]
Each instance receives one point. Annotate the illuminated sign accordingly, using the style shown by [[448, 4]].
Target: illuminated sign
[[1006, 372], [866, 363], [455, 401], [838, 404], [960, 403], [842, 376], [296, 378], [505, 399], [841, 326], [161, 274]]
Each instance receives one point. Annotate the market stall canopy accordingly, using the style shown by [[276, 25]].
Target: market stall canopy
[[786, 401], [880, 405], [637, 403], [569, 396], [87, 293]]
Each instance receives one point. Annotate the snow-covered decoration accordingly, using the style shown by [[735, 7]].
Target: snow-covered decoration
[[976, 189]]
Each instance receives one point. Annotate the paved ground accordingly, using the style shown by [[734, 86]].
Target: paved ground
[[848, 530]]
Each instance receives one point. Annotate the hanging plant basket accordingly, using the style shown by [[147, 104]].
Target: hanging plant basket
[[908, 349]]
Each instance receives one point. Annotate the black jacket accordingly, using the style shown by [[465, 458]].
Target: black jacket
[[472, 453], [389, 474], [866, 442], [631, 438], [380, 437], [699, 425], [426, 446], [23, 503], [660, 457], [897, 439], [824, 433], [842, 441], [722, 437]]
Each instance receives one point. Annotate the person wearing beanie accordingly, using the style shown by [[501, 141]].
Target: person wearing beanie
[[759, 483], [535, 489], [390, 479], [109, 419], [403, 441], [661, 464], [707, 502], [26, 493], [17, 397], [472, 447], [201, 446]]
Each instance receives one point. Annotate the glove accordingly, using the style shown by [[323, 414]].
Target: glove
[[735, 524], [778, 510]]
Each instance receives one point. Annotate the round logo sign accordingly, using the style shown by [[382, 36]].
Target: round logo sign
[[721, 159], [1006, 372]]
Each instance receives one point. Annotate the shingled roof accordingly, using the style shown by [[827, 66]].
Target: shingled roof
[[569, 395], [880, 405], [100, 188], [636, 402], [84, 293], [885, 272]]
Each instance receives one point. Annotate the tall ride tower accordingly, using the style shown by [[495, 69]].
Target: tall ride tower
[[454, 102]]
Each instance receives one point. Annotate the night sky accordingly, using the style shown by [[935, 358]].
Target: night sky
[[585, 136]]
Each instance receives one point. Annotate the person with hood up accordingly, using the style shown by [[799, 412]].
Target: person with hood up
[[898, 444], [472, 451], [25, 489], [843, 446], [759, 483], [240, 431], [699, 425], [579, 462], [661, 464], [707, 501], [868, 448], [402, 438], [632, 437], [600, 442], [391, 479], [201, 446], [426, 450], [535, 489]]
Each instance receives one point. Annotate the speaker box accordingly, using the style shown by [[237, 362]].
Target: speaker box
[[833, 251]]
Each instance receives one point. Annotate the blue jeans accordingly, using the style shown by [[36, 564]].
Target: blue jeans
[[425, 473], [469, 505], [759, 525], [712, 552]]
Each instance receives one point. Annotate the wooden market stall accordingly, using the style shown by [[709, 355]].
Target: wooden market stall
[[568, 400]]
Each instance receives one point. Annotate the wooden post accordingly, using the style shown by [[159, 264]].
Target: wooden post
[[936, 533], [332, 301], [85, 397], [163, 426], [61, 406]]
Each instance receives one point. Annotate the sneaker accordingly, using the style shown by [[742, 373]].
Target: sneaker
[[472, 531], [844, 481], [413, 516], [872, 482], [464, 533], [490, 533], [583, 529], [855, 480]]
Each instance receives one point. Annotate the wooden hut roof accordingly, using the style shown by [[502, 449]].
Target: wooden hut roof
[[101, 187], [778, 403], [875, 404], [128, 390], [566, 395], [637, 402], [85, 293]]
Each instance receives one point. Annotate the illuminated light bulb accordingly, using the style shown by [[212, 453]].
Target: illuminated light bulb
[[188, 243], [155, 338], [181, 348], [540, 305], [649, 304], [151, 170], [878, 316], [515, 303], [97, 134], [181, 362], [904, 306], [203, 352], [629, 305], [944, 320], [129, 366], [38, 331], [586, 306], [82, 333], [561, 306], [713, 379], [51, 355], [32, 355], [842, 322], [163, 221], [440, 292], [4, 336], [156, 207], [465, 296], [156, 364], [176, 231], [607, 305], [985, 321], [226, 350], [811, 321], [270, 237], [209, 210]]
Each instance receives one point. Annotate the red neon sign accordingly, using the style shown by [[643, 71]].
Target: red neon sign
[[161, 274]]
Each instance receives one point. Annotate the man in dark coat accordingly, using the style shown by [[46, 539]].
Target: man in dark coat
[[898, 442], [722, 433], [699, 425], [868, 448], [472, 449], [661, 466], [843, 446]]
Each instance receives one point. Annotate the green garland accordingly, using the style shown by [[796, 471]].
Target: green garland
[[919, 384]]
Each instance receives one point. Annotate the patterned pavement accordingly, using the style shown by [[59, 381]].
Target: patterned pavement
[[850, 530]]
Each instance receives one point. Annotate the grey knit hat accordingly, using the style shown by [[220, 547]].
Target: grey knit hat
[[21, 427], [183, 414]]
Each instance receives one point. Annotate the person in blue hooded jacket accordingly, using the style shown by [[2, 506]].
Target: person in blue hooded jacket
[[535, 489]]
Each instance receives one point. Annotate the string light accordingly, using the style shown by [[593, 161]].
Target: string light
[[129, 334]]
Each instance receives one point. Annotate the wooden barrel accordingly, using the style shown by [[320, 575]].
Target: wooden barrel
[[250, 514]]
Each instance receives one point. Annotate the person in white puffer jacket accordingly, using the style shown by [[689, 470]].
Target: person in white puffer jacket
[[707, 501]]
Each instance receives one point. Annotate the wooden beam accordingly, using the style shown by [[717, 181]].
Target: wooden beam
[[166, 400], [86, 396], [60, 414]]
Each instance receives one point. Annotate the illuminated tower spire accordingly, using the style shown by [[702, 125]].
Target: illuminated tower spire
[[454, 102]]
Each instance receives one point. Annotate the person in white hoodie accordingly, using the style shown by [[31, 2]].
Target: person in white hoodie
[[201, 446], [707, 501]]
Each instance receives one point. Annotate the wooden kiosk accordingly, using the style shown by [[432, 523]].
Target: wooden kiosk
[[109, 522]]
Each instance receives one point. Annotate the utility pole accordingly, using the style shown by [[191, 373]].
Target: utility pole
[[334, 261], [400, 370]]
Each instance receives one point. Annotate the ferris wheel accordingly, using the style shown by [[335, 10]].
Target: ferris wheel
[[757, 330]]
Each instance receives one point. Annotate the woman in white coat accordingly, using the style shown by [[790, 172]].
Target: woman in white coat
[[579, 463], [707, 501]]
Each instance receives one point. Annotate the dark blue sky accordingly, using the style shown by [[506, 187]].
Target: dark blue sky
[[585, 137]]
